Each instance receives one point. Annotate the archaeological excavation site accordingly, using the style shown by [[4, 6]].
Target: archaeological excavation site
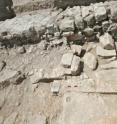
[[58, 61]]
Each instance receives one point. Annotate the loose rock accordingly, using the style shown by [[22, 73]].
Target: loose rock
[[66, 25], [90, 60], [75, 66], [77, 49], [100, 13], [113, 12], [107, 41], [88, 32], [55, 87], [67, 60], [79, 22], [21, 50], [105, 53], [11, 77]]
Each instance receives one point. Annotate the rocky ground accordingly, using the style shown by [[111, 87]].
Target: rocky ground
[[59, 66]]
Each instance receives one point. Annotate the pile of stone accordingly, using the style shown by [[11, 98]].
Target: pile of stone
[[90, 21], [77, 24]]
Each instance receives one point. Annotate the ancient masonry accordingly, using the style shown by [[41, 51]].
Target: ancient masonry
[[58, 62]]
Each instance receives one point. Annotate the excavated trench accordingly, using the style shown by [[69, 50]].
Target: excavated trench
[[59, 66]]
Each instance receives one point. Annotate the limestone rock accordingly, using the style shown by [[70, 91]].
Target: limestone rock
[[60, 72], [71, 12], [77, 49], [11, 76], [106, 80], [97, 108], [114, 12], [100, 13], [105, 26], [111, 65], [55, 87], [42, 76], [38, 76], [113, 29], [79, 22], [36, 119], [21, 50], [1, 120], [11, 119], [107, 41], [86, 10], [66, 25], [90, 60], [105, 53], [90, 20], [88, 32], [75, 66], [67, 59]]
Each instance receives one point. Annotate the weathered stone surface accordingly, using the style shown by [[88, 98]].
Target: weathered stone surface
[[97, 108], [79, 22], [105, 53], [60, 72], [27, 28], [75, 66], [113, 12], [36, 119], [10, 76], [111, 118], [88, 15], [1, 120], [107, 41], [66, 25], [88, 32], [77, 49], [106, 80], [67, 60], [90, 60], [100, 12], [90, 20], [111, 65], [55, 87], [71, 12], [11, 119], [105, 26], [86, 10], [113, 29], [21, 50]]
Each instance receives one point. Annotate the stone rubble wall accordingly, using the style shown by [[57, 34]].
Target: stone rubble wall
[[86, 23]]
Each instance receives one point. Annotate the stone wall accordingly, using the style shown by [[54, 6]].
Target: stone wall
[[65, 3]]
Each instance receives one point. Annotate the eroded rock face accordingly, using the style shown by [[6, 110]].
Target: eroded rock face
[[6, 10]]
